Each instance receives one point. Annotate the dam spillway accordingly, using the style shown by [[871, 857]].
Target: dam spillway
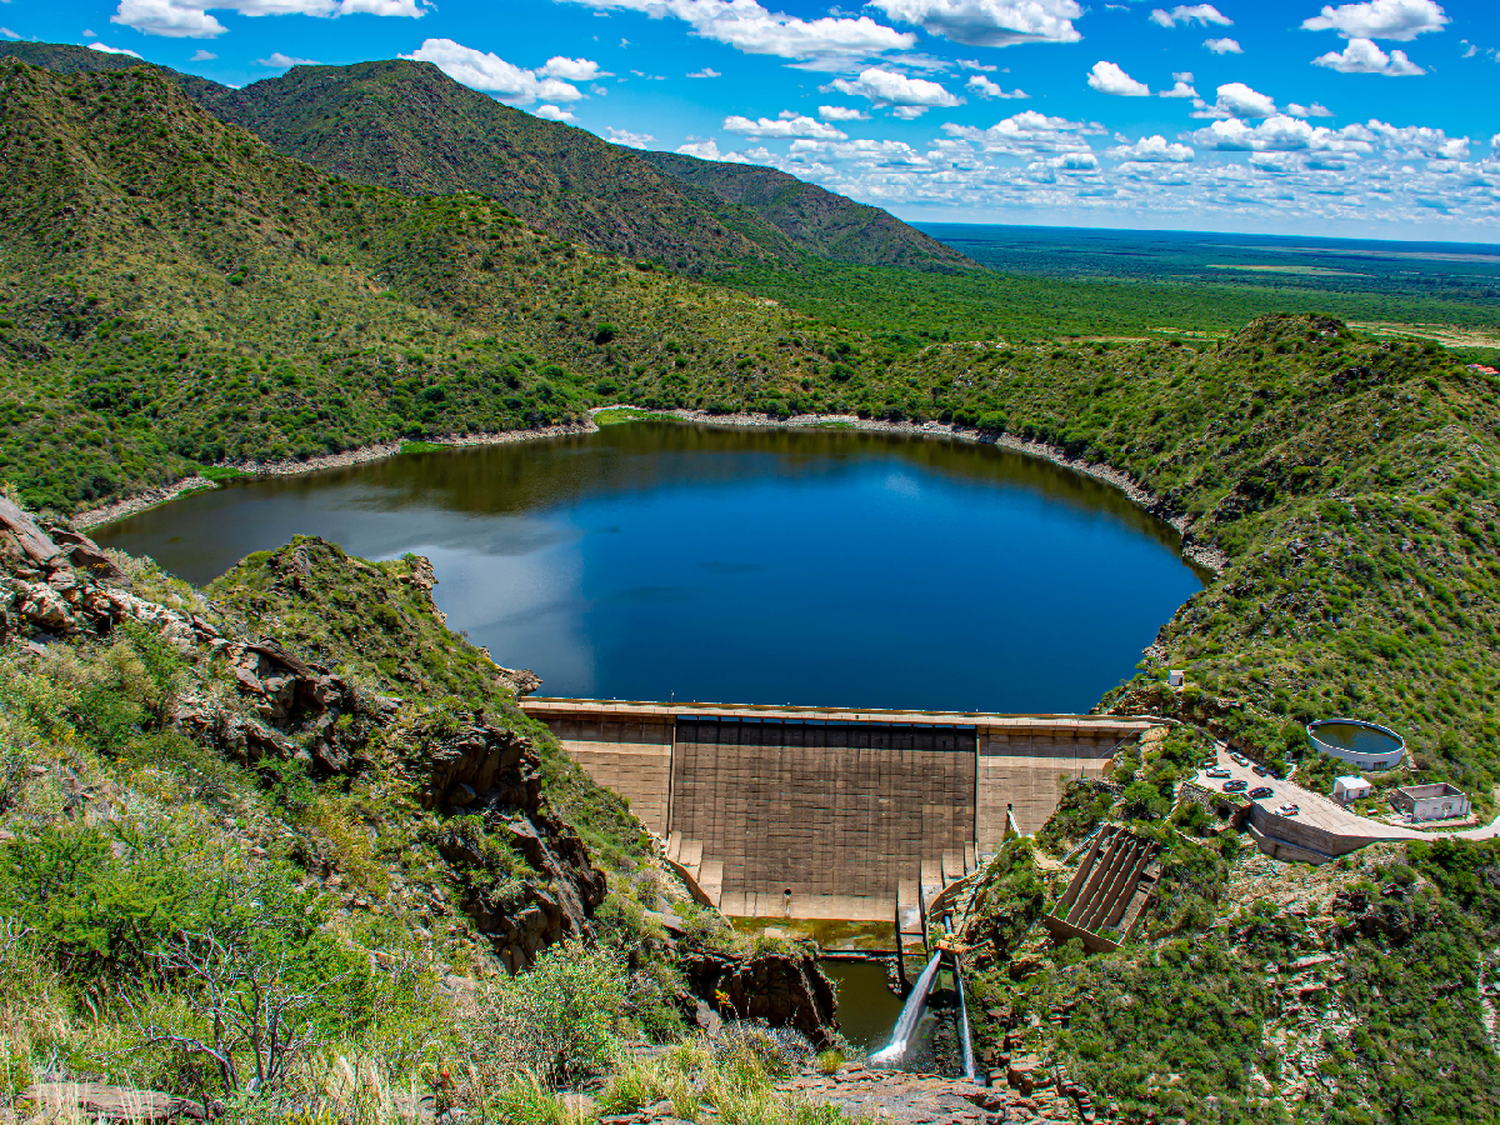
[[811, 812]]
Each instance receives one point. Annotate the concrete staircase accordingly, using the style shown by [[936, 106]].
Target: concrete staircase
[[704, 877], [1115, 880]]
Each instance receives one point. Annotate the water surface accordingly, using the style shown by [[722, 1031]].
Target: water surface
[[662, 561]]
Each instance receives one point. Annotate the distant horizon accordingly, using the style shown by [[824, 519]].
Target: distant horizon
[[923, 225]]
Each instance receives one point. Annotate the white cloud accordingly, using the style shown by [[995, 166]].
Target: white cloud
[[748, 27], [1183, 88], [1314, 110], [1362, 56], [1284, 134], [104, 49], [200, 55], [1401, 20], [1108, 78], [709, 150], [1419, 140], [277, 59], [489, 72], [190, 19], [888, 87], [987, 89], [990, 23], [1204, 14], [1026, 133], [706, 72], [1495, 142], [1153, 150], [628, 139], [8, 33], [1239, 100], [164, 17], [975, 64], [554, 113], [572, 70], [1224, 46], [841, 113], [788, 124]]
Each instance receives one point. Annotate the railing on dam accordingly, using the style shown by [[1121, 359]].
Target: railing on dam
[[826, 812]]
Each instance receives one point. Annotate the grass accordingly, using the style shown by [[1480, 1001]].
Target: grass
[[423, 447], [618, 415]]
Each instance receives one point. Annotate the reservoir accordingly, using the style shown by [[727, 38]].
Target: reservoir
[[679, 562]]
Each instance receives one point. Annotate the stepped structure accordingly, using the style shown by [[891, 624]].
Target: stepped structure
[[1115, 881], [805, 812]]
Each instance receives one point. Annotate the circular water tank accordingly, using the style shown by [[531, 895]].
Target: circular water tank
[[1369, 746]]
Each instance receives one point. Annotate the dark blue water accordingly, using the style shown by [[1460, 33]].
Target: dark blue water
[[657, 561]]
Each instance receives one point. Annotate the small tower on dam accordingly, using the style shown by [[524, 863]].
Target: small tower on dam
[[825, 813]]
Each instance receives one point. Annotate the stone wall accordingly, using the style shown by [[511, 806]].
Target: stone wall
[[632, 756]]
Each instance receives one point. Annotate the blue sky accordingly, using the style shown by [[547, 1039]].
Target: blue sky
[[1369, 119]]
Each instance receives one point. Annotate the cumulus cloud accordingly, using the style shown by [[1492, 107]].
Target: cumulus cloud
[[200, 55], [1235, 99], [1224, 46], [709, 150], [1026, 133], [1153, 150], [1362, 56], [1401, 20], [1284, 134], [190, 19], [990, 23], [101, 47], [628, 139], [706, 72], [554, 113], [788, 124], [1203, 14], [487, 71], [1314, 110], [975, 64], [888, 87], [1108, 78], [753, 29], [1183, 88], [1419, 140], [987, 89], [572, 70], [841, 113], [277, 59]]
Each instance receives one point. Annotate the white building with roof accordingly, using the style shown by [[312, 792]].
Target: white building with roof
[[1351, 788]]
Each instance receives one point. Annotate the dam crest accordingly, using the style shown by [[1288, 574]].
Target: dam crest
[[830, 813]]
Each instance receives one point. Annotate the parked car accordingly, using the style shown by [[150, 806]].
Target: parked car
[[1287, 810], [1240, 759], [1261, 792], [1260, 771], [1235, 786], [1218, 771]]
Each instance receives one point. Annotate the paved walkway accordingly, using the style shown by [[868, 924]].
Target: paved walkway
[[1323, 812]]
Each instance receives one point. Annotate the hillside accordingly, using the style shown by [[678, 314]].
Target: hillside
[[409, 127], [816, 221]]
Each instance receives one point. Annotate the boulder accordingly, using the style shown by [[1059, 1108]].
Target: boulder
[[784, 989], [23, 542], [85, 555], [96, 1101]]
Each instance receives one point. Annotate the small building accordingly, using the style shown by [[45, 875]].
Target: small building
[[1351, 788], [1431, 802], [1175, 677]]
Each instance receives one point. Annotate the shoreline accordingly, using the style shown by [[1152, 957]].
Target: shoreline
[[1204, 555]]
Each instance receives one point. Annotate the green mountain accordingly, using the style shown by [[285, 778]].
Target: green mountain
[[409, 127]]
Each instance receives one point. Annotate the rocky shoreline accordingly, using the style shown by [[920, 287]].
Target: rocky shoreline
[[1200, 554]]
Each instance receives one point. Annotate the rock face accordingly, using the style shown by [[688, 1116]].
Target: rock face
[[290, 708], [785, 990]]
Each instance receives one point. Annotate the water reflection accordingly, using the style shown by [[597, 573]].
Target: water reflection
[[657, 560]]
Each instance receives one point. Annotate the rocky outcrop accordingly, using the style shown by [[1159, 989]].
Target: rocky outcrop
[[784, 989], [95, 1101]]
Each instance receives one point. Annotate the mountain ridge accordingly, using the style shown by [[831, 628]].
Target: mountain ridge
[[405, 125]]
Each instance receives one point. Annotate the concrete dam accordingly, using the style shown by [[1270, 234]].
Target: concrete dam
[[810, 812]]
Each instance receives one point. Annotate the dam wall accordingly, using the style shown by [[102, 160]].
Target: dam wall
[[825, 813]]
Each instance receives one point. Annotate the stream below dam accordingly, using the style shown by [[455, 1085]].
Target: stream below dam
[[686, 562]]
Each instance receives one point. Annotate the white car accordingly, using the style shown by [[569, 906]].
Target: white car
[[1287, 810], [1218, 771]]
